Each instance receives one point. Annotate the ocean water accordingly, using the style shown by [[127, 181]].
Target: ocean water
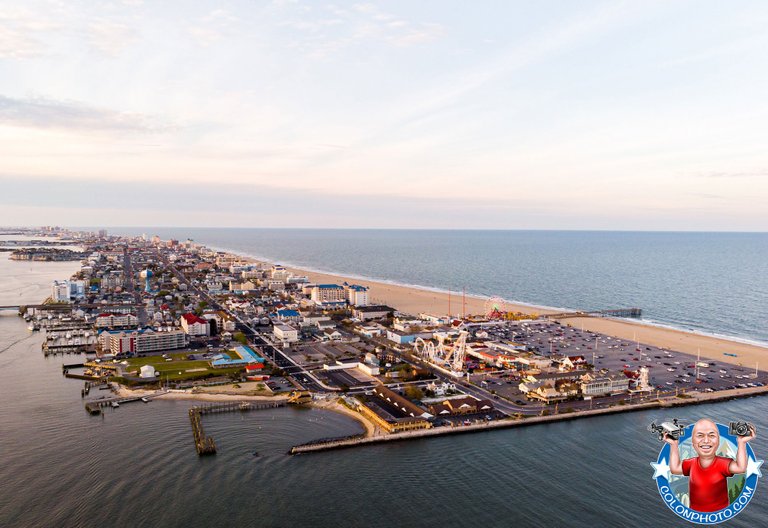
[[707, 282]]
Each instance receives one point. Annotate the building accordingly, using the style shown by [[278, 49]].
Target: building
[[111, 280], [367, 313], [194, 325], [60, 291], [370, 331], [275, 284], [116, 320], [278, 272], [605, 385], [547, 393], [244, 356], [458, 406], [67, 290], [141, 341], [147, 372], [401, 338], [328, 294], [357, 295], [245, 286], [392, 412], [291, 316], [285, 333]]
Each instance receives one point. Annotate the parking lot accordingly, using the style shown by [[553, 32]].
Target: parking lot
[[314, 355], [668, 370]]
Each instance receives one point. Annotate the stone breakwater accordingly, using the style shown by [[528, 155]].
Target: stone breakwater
[[691, 399]]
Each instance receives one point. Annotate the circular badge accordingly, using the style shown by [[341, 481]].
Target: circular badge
[[675, 489]]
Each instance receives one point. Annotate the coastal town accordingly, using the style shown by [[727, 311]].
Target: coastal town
[[174, 319]]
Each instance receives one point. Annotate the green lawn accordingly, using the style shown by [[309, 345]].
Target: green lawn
[[158, 360], [176, 369], [173, 374]]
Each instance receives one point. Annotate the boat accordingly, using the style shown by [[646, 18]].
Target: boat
[[114, 404], [145, 399]]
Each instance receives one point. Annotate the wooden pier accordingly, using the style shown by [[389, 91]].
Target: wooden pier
[[635, 313], [206, 445]]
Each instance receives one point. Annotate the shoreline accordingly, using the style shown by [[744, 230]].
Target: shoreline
[[415, 299], [513, 305]]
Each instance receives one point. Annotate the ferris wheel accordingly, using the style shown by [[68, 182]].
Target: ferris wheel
[[495, 306]]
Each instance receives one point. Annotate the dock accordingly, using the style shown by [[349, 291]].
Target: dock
[[94, 406]]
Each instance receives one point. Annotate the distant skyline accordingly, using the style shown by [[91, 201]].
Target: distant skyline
[[641, 115]]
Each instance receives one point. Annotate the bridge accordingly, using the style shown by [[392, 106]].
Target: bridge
[[66, 307]]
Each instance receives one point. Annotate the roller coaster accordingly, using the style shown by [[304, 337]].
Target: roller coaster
[[443, 354]]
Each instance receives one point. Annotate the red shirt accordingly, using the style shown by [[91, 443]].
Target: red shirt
[[708, 487]]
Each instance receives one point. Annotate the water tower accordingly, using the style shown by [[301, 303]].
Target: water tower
[[146, 275]]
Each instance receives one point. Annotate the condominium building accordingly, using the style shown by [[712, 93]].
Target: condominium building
[[328, 294], [116, 320], [141, 341], [357, 295]]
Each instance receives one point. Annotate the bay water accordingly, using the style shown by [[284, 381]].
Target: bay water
[[137, 466]]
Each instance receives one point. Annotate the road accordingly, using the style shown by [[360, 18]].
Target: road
[[299, 374], [129, 285]]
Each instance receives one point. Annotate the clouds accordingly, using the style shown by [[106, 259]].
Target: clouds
[[50, 113], [110, 37], [321, 31], [512, 114], [21, 32], [212, 27]]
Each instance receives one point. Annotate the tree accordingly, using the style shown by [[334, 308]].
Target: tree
[[240, 338], [412, 392]]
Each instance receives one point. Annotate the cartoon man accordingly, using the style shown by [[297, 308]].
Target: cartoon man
[[707, 484]]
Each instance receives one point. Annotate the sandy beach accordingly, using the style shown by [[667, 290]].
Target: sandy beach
[[214, 397], [415, 300]]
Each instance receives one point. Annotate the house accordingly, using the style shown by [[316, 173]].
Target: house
[[194, 325], [334, 335], [290, 316], [547, 393], [441, 389]]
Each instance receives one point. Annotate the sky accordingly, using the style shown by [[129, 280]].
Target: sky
[[645, 115]]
